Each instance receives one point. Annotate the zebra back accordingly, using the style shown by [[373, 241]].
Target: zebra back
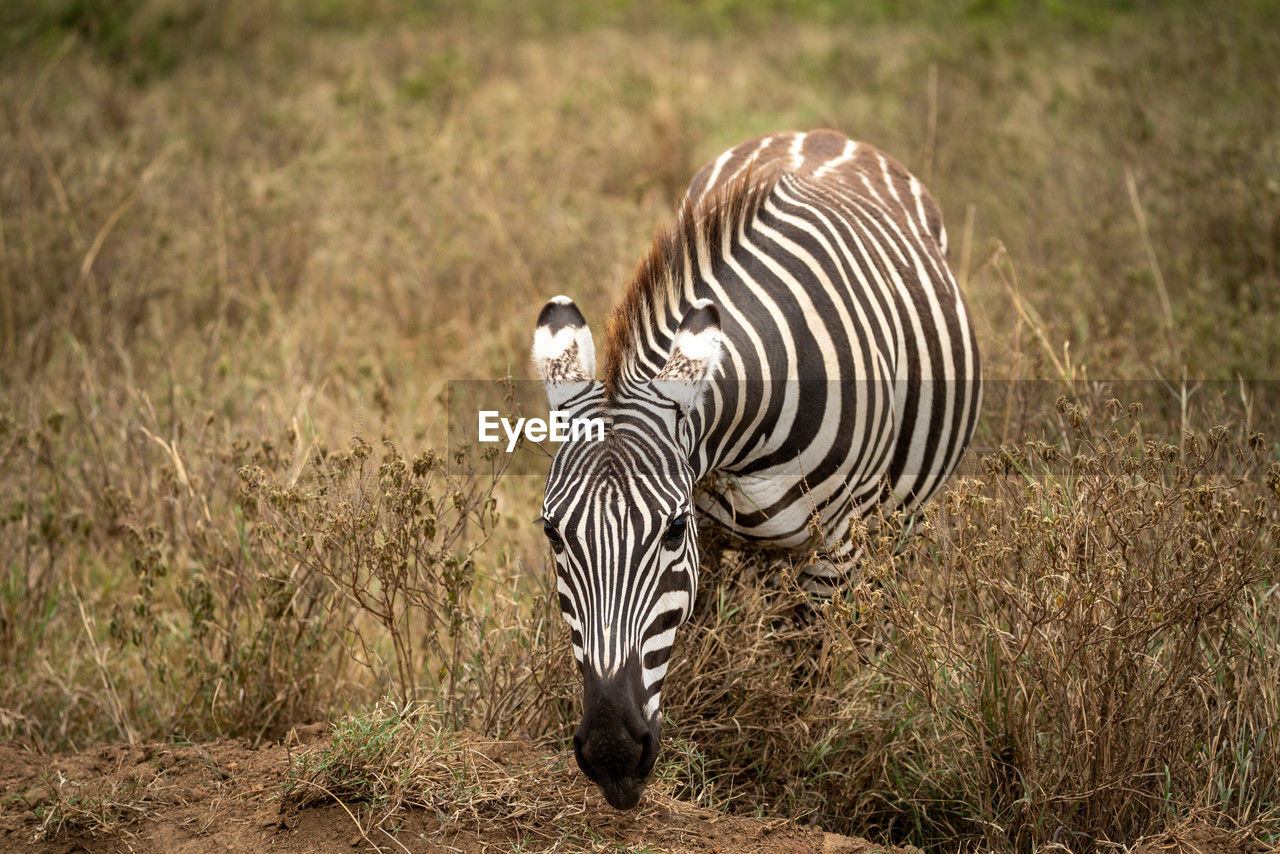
[[851, 377]]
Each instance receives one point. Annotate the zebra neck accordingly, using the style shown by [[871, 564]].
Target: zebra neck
[[640, 409]]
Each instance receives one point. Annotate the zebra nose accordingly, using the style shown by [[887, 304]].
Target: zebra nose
[[616, 759], [648, 755], [613, 752], [617, 743], [583, 763]]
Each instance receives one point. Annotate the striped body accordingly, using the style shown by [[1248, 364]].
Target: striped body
[[799, 335], [850, 377]]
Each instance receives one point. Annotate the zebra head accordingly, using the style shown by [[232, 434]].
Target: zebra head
[[618, 513]]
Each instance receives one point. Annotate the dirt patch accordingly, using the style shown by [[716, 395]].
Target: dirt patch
[[225, 796], [1198, 839]]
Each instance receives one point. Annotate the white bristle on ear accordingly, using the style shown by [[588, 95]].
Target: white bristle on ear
[[701, 346], [695, 355], [557, 358], [564, 353]]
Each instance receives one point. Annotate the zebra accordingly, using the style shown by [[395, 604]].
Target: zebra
[[798, 333]]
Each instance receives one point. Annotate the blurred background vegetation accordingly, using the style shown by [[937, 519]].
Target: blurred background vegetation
[[244, 243]]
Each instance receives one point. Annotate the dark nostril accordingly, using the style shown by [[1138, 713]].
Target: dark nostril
[[648, 755], [577, 754]]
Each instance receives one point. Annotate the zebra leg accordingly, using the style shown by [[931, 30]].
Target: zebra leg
[[835, 576], [827, 575], [834, 572], [824, 577]]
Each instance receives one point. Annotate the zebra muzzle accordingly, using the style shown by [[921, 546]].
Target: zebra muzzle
[[616, 745]]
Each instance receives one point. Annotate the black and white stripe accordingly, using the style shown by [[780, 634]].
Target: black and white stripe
[[799, 334]]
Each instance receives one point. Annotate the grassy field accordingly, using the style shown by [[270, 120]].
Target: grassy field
[[244, 251]]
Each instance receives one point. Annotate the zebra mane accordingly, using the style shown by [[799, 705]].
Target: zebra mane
[[718, 214]]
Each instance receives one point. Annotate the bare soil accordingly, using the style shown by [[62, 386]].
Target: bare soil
[[225, 796], [1197, 839]]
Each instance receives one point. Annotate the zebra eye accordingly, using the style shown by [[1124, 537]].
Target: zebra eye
[[675, 531], [557, 544]]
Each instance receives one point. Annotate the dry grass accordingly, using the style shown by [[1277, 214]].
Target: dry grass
[[390, 760], [1075, 649], [233, 242], [388, 549], [72, 807], [1070, 650]]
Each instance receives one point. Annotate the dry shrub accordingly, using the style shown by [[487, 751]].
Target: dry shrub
[[126, 552], [1070, 650], [394, 544], [772, 706], [182, 600], [1083, 629]]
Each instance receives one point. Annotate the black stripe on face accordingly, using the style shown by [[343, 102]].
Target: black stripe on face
[[657, 658], [613, 502], [667, 620]]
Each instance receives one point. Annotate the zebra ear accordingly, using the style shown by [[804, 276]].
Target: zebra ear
[[563, 351], [695, 354]]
